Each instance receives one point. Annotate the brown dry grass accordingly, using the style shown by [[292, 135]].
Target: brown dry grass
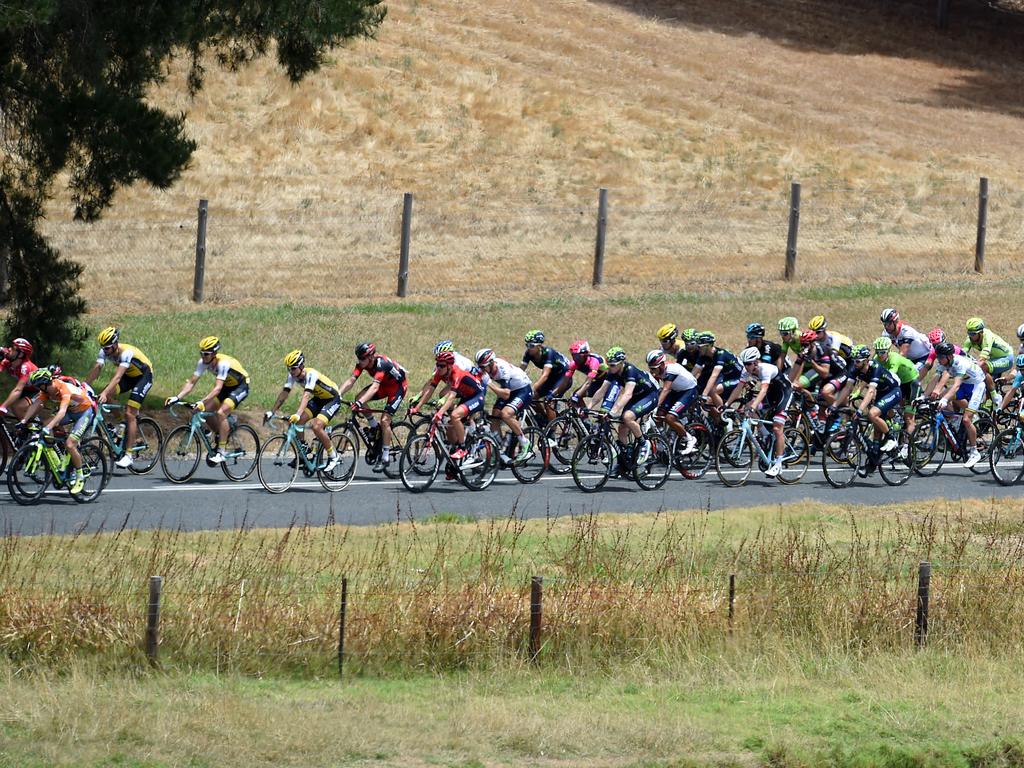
[[696, 117]]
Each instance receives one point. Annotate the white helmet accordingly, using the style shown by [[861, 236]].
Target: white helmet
[[485, 356], [1020, 331], [750, 355]]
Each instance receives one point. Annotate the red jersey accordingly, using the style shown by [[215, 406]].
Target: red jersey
[[18, 370], [464, 383], [382, 369]]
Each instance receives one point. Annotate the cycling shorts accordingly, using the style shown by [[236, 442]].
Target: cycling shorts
[[888, 401], [325, 410], [139, 387], [84, 422], [234, 395], [1000, 366], [473, 404], [728, 385], [777, 404], [393, 392], [910, 390], [517, 400], [678, 401], [641, 406], [837, 383], [972, 393]]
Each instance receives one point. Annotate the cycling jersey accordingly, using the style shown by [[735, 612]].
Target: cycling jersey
[[780, 389], [773, 352], [228, 370], [964, 368], [549, 358], [824, 354], [991, 347], [463, 362], [933, 355], [643, 384], [731, 368], [314, 382], [384, 370], [594, 367], [131, 358], [678, 377], [19, 371], [839, 342], [76, 397], [919, 344], [679, 352], [903, 368], [884, 381], [509, 376], [462, 382]]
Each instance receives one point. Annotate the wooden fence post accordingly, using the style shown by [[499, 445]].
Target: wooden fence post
[[732, 599], [200, 273], [979, 245], [924, 577], [602, 224], [794, 230], [536, 615], [403, 256], [153, 619], [341, 624]]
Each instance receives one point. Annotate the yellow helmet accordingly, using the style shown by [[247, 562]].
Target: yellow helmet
[[668, 332], [209, 344], [294, 358], [108, 336], [818, 323]]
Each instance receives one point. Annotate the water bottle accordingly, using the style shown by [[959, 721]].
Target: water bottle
[[119, 431]]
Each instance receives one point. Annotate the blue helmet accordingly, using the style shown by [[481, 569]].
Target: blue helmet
[[444, 346]]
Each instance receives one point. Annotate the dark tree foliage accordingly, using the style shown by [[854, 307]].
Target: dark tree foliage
[[74, 75]]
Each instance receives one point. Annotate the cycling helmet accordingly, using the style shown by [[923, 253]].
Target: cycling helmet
[[23, 345], [485, 356], [975, 325], [818, 323], [789, 325], [655, 358], [936, 336], [1020, 332], [534, 337], [689, 335], [294, 359], [40, 377], [209, 344], [445, 357], [365, 349], [945, 349], [616, 355], [860, 352], [750, 355], [808, 337], [1019, 361], [54, 369], [668, 332], [755, 331], [890, 315], [705, 339], [580, 347], [882, 344], [108, 336], [443, 346]]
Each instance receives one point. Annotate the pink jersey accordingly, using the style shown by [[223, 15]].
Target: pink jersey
[[932, 355]]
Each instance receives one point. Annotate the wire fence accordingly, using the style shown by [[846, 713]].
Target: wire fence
[[458, 249]]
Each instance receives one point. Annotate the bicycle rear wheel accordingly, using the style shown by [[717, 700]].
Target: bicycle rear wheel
[[796, 456], [653, 472], [929, 449], [1006, 459], [241, 452], [532, 467], [420, 462], [28, 475], [734, 458], [400, 432], [180, 457], [97, 472], [986, 434], [593, 462], [338, 479], [146, 451]]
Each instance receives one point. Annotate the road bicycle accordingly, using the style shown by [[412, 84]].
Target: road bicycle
[[43, 461], [940, 433], [184, 446], [738, 447], [12, 436], [564, 433], [426, 452], [362, 436], [850, 450], [1006, 457], [598, 457], [148, 440], [531, 468], [283, 455]]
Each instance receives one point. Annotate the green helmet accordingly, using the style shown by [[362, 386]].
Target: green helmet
[[689, 335], [534, 337], [882, 344], [789, 325], [861, 352], [975, 325], [616, 355]]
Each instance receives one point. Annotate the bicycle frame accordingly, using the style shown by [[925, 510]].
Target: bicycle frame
[[748, 434], [197, 420]]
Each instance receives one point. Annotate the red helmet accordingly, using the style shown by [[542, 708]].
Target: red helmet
[[23, 345], [445, 358], [808, 337], [936, 336]]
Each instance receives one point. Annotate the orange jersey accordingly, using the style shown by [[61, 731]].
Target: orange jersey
[[77, 399]]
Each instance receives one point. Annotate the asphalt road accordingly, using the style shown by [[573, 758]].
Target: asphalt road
[[210, 501]]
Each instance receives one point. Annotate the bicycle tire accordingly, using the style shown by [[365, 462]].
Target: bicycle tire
[[695, 465], [419, 464], [400, 432], [985, 429], [241, 452], [532, 469], [653, 473], [485, 449], [895, 471], [735, 456], [563, 435], [1006, 458], [108, 453], [338, 479], [841, 457], [149, 440], [592, 463], [94, 464], [28, 475], [277, 465], [796, 458], [180, 456]]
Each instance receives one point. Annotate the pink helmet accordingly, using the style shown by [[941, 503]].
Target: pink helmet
[[936, 336], [580, 347]]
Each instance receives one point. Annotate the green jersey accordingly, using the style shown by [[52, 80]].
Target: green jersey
[[897, 364]]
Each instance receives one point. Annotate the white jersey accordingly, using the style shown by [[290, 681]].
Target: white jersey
[[920, 347], [965, 368], [766, 373], [681, 378], [510, 376]]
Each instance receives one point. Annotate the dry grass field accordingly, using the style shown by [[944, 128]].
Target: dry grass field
[[504, 118]]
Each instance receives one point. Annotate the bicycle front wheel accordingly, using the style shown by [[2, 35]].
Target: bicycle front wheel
[[563, 436], [96, 470], [897, 465], [419, 463], [28, 474], [146, 451], [986, 434], [341, 475], [530, 469], [241, 452], [482, 460], [734, 458], [929, 449], [400, 432], [796, 456], [1006, 458], [593, 463], [180, 457], [278, 464], [841, 455], [653, 472], [696, 464]]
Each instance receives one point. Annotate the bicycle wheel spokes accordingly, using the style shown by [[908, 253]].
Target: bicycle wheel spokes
[[696, 464], [482, 461], [146, 450], [986, 434], [1006, 459], [563, 435], [796, 456], [653, 472], [278, 464], [95, 468], [929, 448], [180, 457], [419, 463], [897, 465], [734, 458], [400, 432], [530, 469], [241, 452], [341, 475], [593, 463], [28, 475], [841, 456]]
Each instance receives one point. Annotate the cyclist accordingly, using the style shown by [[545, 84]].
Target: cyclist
[[469, 391], [318, 405], [717, 370], [774, 393], [936, 336], [1020, 337], [134, 374], [789, 331], [879, 398], [911, 344], [770, 351], [1018, 379], [229, 390], [906, 372], [553, 368], [682, 349], [390, 382], [826, 371], [637, 397], [75, 407], [965, 390], [514, 392], [678, 390], [595, 368], [833, 339], [995, 357], [17, 362]]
